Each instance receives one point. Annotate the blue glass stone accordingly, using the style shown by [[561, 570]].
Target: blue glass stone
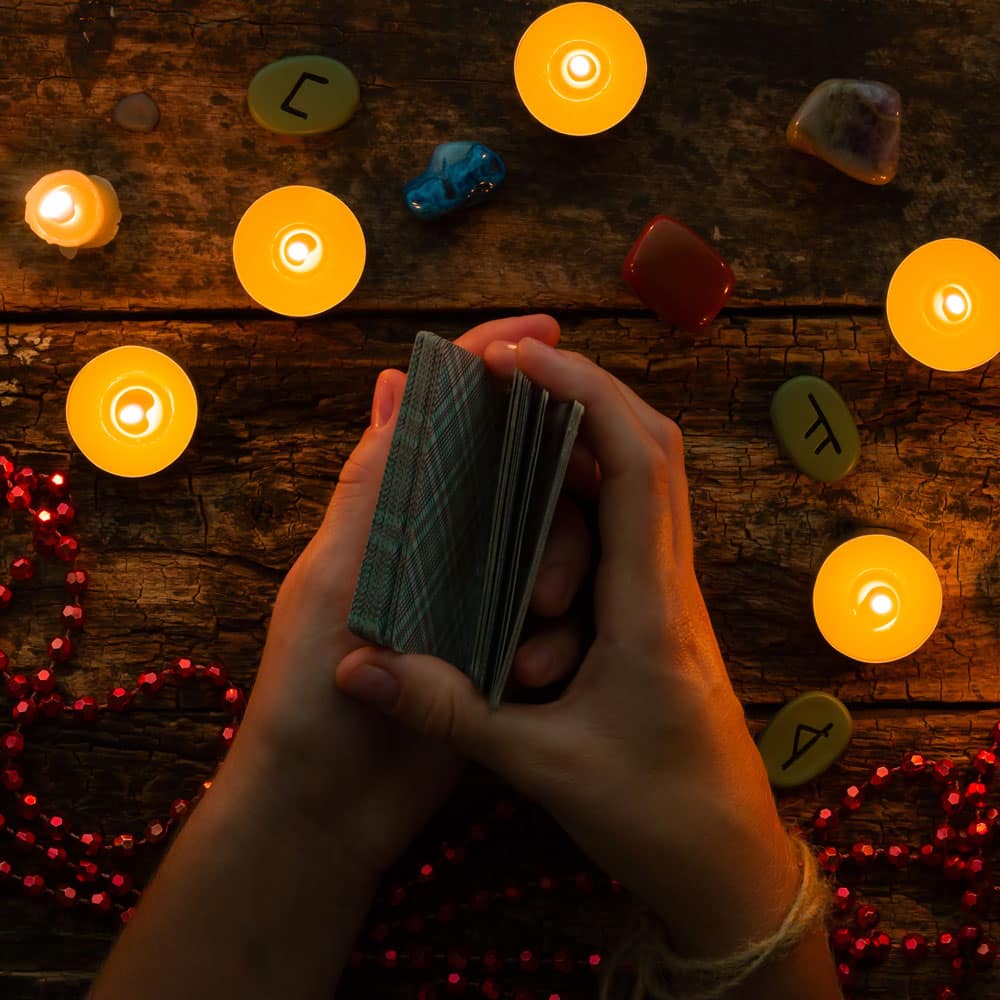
[[459, 174]]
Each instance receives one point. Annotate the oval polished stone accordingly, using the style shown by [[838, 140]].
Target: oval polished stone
[[804, 738], [815, 428], [137, 113], [303, 95]]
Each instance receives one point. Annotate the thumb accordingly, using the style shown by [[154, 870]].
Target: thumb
[[435, 699]]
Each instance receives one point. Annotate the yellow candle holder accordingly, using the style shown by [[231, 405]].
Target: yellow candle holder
[[299, 251], [580, 68], [876, 598], [131, 411], [72, 210], [943, 305]]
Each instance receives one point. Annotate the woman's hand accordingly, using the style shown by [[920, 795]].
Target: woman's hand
[[645, 758], [366, 781]]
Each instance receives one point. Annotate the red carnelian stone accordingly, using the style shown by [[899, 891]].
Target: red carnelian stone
[[101, 901], [22, 569], [12, 743], [985, 953], [866, 916], [61, 649], [124, 844], [65, 895], [843, 898], [897, 855], [155, 831], [87, 871], [150, 682], [85, 708], [119, 699], [179, 808], [51, 705], [44, 680], [24, 711], [72, 616], [184, 668], [91, 844], [6, 468], [217, 674], [64, 514], [11, 778], [19, 498], [57, 827], [947, 944], [26, 477], [67, 548], [677, 274], [34, 885], [914, 946], [120, 883], [881, 946], [56, 856], [29, 805], [56, 485], [235, 701], [18, 686], [77, 581]]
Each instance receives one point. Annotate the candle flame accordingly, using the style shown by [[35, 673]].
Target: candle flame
[[137, 411], [57, 206], [581, 68], [953, 304], [300, 250]]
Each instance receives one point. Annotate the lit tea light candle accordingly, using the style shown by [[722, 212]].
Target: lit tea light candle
[[943, 305], [580, 68], [131, 411], [299, 251], [877, 598], [73, 211]]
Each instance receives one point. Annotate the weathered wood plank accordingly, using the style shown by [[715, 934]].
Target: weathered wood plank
[[705, 144], [191, 559], [120, 774]]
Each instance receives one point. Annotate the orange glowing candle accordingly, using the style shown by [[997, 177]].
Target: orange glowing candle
[[580, 68], [131, 411], [877, 598], [943, 305], [72, 210], [299, 251]]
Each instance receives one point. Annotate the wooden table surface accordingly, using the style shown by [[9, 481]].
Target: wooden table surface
[[190, 560]]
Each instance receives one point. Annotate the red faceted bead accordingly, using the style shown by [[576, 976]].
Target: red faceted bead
[[881, 946], [677, 274], [87, 871], [853, 797], [119, 699], [6, 596], [12, 779], [846, 975], [57, 827], [978, 833], [880, 776], [51, 705], [828, 859], [843, 898], [72, 616], [866, 916], [594, 960], [943, 771], [22, 569], [453, 855], [56, 485], [179, 809], [126, 915], [975, 794], [217, 674], [150, 682], [26, 477], [91, 844], [860, 947], [67, 548], [28, 806], [228, 734], [862, 853], [914, 764], [101, 901], [824, 821], [389, 958], [34, 885], [947, 944], [85, 708], [5, 870], [946, 993], [944, 836], [77, 581], [954, 867], [959, 968], [898, 855], [56, 856], [952, 801], [977, 868], [457, 959], [527, 960], [184, 668], [985, 762], [24, 839], [44, 680], [64, 514], [455, 982], [61, 649], [156, 831], [968, 936], [45, 526], [12, 743], [235, 701], [18, 686], [914, 946], [985, 953], [840, 940], [124, 844], [45, 538], [6, 468], [65, 895], [24, 711], [19, 498], [490, 990]]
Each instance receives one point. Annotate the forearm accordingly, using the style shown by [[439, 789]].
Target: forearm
[[251, 901]]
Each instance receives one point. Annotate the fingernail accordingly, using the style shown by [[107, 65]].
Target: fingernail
[[383, 402], [373, 685]]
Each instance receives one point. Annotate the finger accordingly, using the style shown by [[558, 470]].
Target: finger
[[583, 477], [550, 655], [634, 514], [565, 561], [435, 699], [511, 329], [352, 505]]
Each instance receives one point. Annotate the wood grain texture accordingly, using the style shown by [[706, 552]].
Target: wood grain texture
[[705, 144]]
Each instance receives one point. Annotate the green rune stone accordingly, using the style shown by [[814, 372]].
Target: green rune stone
[[303, 95], [815, 428], [804, 738]]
